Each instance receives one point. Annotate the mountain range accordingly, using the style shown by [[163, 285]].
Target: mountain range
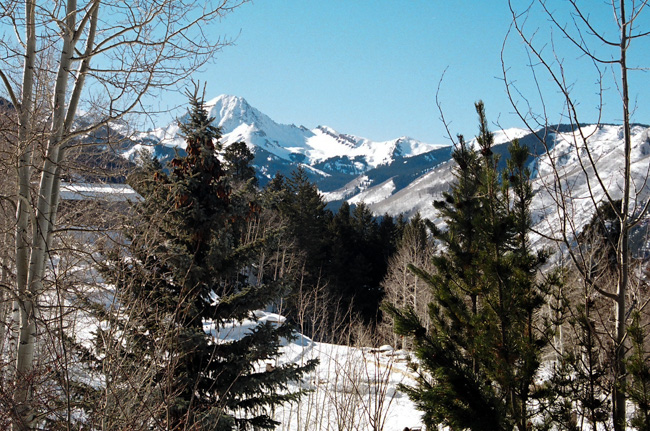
[[332, 159], [405, 175]]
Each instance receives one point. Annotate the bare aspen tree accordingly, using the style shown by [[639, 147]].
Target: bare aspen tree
[[586, 44], [57, 59], [7, 211], [403, 287]]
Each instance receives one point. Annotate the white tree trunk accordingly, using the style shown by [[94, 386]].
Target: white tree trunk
[[5, 322], [627, 213], [153, 43], [31, 276], [618, 394], [23, 304]]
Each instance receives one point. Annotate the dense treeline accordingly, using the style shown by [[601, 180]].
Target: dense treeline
[[180, 277], [343, 255], [505, 338], [204, 251], [112, 317]]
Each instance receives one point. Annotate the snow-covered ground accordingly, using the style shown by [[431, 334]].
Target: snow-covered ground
[[98, 191], [353, 388]]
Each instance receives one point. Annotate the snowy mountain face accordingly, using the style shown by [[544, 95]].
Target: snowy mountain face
[[332, 159], [572, 169], [405, 175]]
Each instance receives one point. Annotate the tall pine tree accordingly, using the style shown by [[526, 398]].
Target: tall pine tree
[[480, 355], [183, 280]]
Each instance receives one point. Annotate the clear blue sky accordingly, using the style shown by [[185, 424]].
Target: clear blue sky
[[371, 68]]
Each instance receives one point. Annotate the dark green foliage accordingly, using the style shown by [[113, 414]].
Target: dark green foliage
[[344, 256], [304, 221], [480, 356], [185, 273], [308, 218], [390, 234], [638, 367], [556, 398], [237, 159], [360, 247], [449, 391]]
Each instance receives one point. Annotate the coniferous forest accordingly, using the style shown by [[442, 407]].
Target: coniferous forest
[[188, 288]]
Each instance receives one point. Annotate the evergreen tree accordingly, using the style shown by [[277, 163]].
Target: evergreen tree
[[389, 236], [304, 208], [342, 252], [481, 352], [343, 257], [183, 281], [358, 260], [350, 266], [237, 157], [304, 219], [582, 373], [638, 366], [370, 264]]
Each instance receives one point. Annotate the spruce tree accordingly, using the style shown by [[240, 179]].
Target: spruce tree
[[182, 283], [304, 208], [479, 357], [237, 157], [638, 389], [581, 374], [357, 262]]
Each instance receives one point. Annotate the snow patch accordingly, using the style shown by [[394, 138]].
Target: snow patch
[[374, 194], [98, 191]]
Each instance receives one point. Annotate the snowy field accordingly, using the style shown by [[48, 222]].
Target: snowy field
[[352, 389]]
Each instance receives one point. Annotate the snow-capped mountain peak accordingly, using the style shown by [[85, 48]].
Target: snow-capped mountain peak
[[404, 175], [230, 112], [323, 148]]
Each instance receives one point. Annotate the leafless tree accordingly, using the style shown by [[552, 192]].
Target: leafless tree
[[403, 288], [585, 44], [64, 57]]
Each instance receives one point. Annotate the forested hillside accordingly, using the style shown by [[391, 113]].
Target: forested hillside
[[227, 272]]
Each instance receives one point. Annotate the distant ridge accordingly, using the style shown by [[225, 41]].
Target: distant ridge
[[405, 175], [332, 159]]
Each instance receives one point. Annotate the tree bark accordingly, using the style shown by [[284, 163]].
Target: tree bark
[[23, 303], [154, 44], [618, 394], [626, 13]]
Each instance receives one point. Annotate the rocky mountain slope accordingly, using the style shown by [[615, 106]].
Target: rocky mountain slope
[[405, 175], [332, 159]]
